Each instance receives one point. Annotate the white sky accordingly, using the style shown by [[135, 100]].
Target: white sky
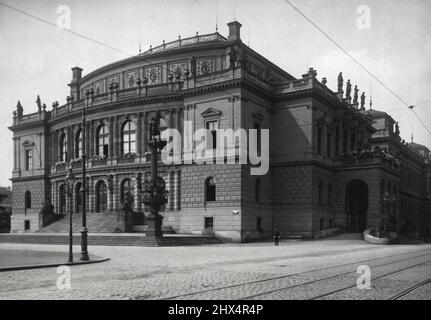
[[35, 58]]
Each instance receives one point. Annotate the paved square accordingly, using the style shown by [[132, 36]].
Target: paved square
[[324, 269]]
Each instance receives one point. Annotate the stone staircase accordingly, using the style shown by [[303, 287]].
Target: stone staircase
[[103, 231], [110, 239], [96, 223]]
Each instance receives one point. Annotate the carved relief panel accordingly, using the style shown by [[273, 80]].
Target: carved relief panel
[[206, 66], [178, 68], [130, 79], [153, 74]]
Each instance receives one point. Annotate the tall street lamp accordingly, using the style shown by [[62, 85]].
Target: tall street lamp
[[84, 232], [154, 193], [70, 177]]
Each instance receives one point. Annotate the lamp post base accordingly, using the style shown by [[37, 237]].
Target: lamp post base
[[154, 226], [84, 253]]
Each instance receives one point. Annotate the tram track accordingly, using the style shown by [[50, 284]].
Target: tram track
[[375, 278], [410, 289], [301, 273]]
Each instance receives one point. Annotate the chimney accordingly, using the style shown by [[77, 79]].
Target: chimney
[[76, 74], [234, 31], [74, 85]]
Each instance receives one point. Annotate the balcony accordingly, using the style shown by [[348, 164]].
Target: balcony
[[213, 37], [377, 156]]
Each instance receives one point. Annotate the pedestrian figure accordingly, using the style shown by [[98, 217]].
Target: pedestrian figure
[[276, 236]]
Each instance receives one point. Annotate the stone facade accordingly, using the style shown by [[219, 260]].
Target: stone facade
[[323, 160]]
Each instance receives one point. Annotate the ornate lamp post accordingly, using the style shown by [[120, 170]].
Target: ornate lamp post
[[154, 193], [84, 232], [70, 177]]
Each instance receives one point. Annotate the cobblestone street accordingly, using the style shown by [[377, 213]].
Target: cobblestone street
[[324, 269]]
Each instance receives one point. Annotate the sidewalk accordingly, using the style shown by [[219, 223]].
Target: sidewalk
[[16, 259]]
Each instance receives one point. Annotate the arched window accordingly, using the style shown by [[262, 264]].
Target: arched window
[[101, 197], [63, 147], [27, 200], [320, 192], [62, 198], [129, 137], [257, 190], [210, 189], [78, 144], [126, 188], [102, 141]]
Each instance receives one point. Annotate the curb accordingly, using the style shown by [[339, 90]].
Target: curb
[[51, 265]]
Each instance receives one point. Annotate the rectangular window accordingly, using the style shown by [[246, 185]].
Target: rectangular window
[[322, 221], [26, 224], [209, 223], [212, 127], [259, 224], [29, 159]]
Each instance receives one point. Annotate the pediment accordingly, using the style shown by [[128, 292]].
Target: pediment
[[211, 112], [28, 143]]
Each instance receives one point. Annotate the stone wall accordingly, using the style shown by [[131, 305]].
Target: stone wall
[[39, 192]]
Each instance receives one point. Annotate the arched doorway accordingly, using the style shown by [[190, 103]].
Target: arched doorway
[[62, 199], [78, 198], [101, 197], [356, 205], [127, 188]]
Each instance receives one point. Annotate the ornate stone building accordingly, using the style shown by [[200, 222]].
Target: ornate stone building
[[325, 170]]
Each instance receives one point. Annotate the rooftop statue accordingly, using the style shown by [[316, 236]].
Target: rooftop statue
[[348, 89], [340, 82], [363, 101], [19, 109], [39, 104], [355, 95]]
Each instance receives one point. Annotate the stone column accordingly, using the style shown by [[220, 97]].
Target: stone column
[[87, 140], [54, 196], [170, 187], [14, 153], [139, 133], [111, 136], [177, 191], [115, 194], [117, 137], [137, 199], [144, 132], [109, 195], [54, 147], [90, 138], [135, 193], [69, 147], [91, 195]]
